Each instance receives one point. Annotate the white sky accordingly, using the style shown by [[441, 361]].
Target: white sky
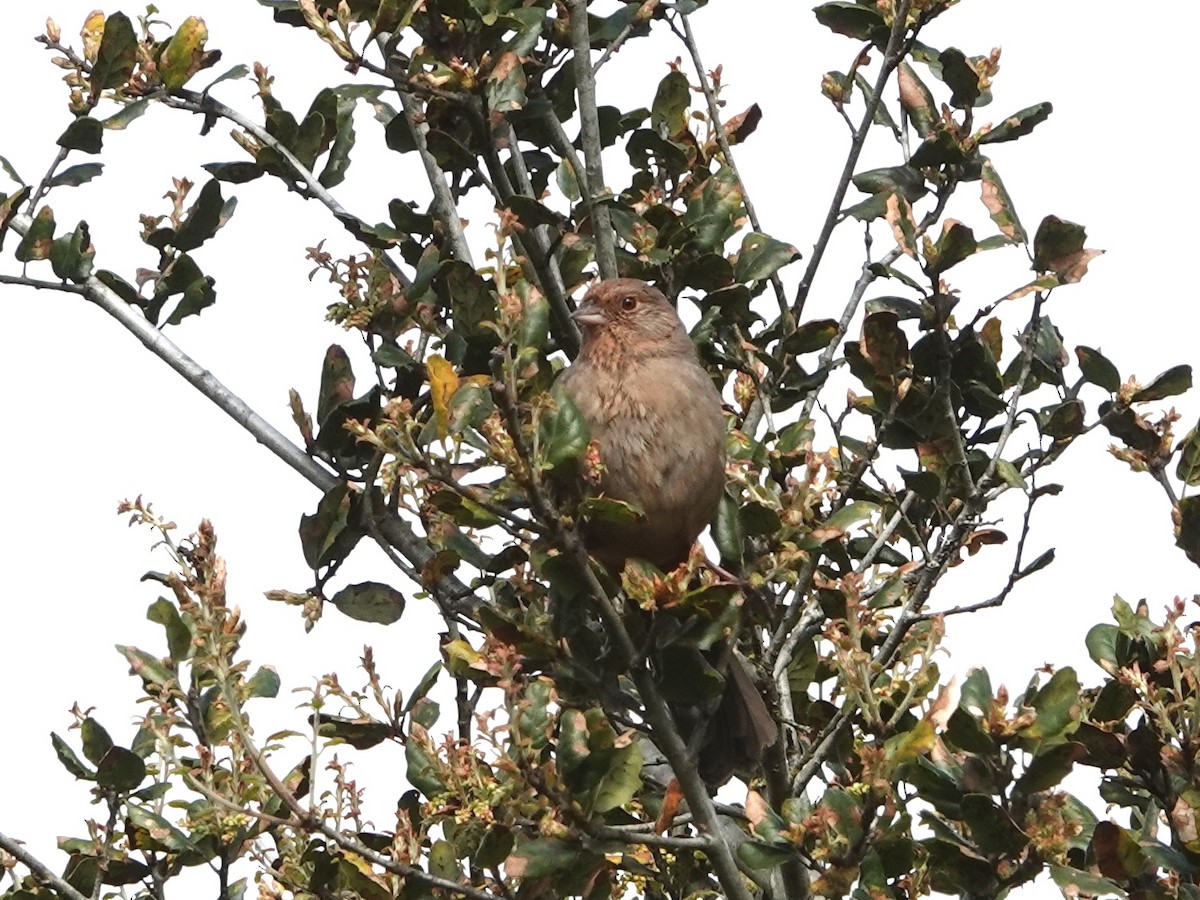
[[92, 418]]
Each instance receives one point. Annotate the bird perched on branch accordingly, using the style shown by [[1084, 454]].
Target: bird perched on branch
[[657, 419]]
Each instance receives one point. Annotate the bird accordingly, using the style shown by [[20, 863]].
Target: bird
[[658, 421]]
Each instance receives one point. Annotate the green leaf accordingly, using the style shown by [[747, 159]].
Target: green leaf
[[761, 257], [120, 120], [241, 70], [326, 535], [1175, 380], [1058, 248], [74, 176], [956, 243], [72, 254], [8, 170], [1047, 770], [605, 509], [999, 204], [1057, 705], [361, 734], [727, 531], [1018, 124], [238, 172], [148, 668], [84, 134], [1117, 853], [854, 20], [505, 84], [163, 832], [1187, 469], [905, 180], [423, 771], [179, 636], [120, 770], [96, 741], [264, 683], [547, 856], [1187, 533], [1076, 883], [370, 601], [70, 761], [811, 337], [961, 77], [563, 431], [758, 855], [668, 114], [916, 100], [182, 277], [1097, 369], [338, 163], [622, 780], [204, 218], [39, 239], [117, 54]]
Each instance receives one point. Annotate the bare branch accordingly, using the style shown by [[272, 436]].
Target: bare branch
[[398, 532], [443, 202], [39, 870], [38, 284], [585, 80]]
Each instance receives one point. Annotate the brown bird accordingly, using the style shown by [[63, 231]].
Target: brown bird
[[657, 419]]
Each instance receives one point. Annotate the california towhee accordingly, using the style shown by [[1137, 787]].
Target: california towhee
[[657, 419]]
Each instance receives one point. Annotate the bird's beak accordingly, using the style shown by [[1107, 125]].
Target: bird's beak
[[589, 313]]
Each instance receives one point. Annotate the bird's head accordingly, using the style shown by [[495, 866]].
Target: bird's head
[[631, 313]]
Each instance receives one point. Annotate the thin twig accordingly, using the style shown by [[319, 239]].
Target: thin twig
[[892, 57], [208, 106], [589, 124], [536, 247], [44, 184], [714, 116], [310, 821]]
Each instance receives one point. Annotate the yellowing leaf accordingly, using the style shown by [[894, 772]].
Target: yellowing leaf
[[184, 53], [92, 33], [443, 382]]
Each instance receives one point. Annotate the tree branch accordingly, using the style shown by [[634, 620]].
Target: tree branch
[[39, 870], [892, 57], [206, 105], [443, 202], [714, 116], [309, 821], [398, 532], [585, 81]]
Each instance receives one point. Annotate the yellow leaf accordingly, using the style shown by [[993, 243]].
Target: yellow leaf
[[184, 53], [92, 33], [443, 382]]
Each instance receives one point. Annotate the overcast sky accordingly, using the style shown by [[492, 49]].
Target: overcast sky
[[92, 418]]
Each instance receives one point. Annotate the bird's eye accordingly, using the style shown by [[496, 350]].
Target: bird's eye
[[629, 303]]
